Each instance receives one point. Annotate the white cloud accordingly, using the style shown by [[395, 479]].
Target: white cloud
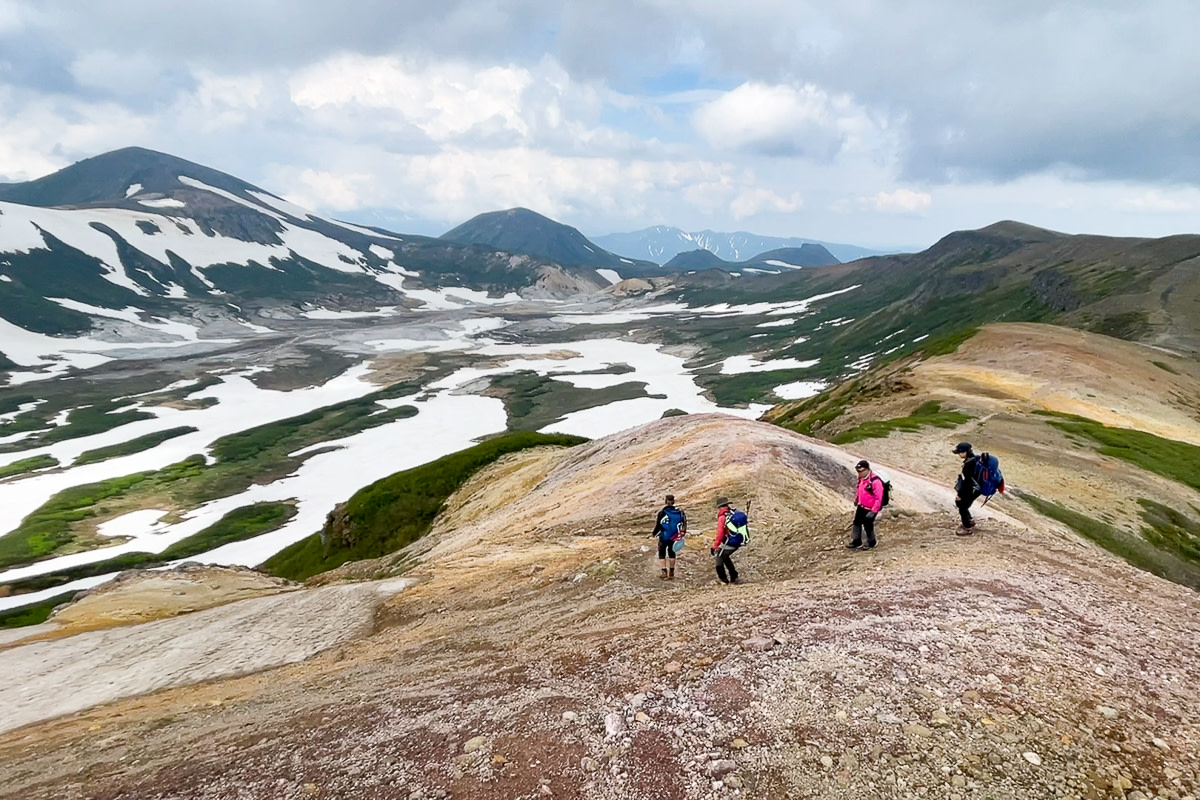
[[901, 201], [328, 190], [752, 202], [443, 101], [1154, 202], [779, 120]]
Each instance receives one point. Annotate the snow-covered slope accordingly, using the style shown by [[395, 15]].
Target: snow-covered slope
[[144, 231]]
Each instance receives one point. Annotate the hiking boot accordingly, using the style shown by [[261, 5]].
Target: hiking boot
[[662, 576], [671, 575], [854, 545], [735, 580], [964, 530], [869, 545]]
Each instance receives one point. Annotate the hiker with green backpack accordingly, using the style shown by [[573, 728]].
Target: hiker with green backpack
[[733, 531], [869, 499], [670, 526]]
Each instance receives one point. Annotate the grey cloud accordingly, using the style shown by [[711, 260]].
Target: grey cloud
[[993, 91]]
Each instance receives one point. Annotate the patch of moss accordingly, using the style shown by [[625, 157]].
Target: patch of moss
[[1137, 551], [94, 419], [238, 525], [30, 464], [948, 343], [1172, 530], [33, 614], [1164, 366], [534, 401], [132, 446], [399, 509], [1130, 325], [928, 414], [1178, 461]]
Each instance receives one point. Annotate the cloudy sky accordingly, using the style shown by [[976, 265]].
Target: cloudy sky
[[873, 122]]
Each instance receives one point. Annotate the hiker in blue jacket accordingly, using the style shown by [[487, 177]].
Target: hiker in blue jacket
[[670, 526], [966, 490]]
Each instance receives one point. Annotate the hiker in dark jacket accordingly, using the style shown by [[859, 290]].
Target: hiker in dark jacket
[[966, 490], [670, 526], [722, 549], [868, 502]]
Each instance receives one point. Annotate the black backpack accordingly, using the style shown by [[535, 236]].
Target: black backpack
[[887, 490]]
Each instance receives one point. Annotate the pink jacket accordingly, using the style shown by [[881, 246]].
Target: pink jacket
[[865, 498]]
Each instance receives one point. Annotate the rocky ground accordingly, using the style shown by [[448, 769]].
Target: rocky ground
[[539, 655]]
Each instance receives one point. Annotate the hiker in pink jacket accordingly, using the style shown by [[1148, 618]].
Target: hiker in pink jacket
[[868, 502]]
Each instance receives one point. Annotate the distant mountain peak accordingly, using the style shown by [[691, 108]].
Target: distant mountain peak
[[663, 242], [114, 178], [519, 230]]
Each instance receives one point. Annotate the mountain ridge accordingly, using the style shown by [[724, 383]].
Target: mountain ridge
[[661, 243]]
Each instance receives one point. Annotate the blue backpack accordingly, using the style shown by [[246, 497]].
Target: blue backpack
[[737, 529], [988, 476], [670, 521]]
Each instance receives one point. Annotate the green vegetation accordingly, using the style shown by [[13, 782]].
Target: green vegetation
[[948, 343], [1177, 461], [28, 465], [99, 418], [534, 401], [399, 509], [238, 525], [1171, 530], [731, 390], [49, 529], [1131, 325], [814, 413], [927, 414], [1137, 551], [67, 520], [132, 446], [1164, 366], [33, 614]]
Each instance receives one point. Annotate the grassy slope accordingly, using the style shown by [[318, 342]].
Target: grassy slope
[[1143, 553], [1178, 461], [397, 510]]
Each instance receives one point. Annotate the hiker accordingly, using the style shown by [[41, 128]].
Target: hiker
[[966, 490], [670, 526], [722, 547], [868, 502]]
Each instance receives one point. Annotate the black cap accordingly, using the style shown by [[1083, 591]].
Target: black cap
[[963, 447], [864, 464]]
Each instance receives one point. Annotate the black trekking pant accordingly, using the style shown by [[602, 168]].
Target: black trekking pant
[[863, 521], [724, 562], [964, 507]]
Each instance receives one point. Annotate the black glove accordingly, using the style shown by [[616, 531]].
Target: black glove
[[870, 516]]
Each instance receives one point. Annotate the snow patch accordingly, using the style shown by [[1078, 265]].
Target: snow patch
[[163, 202], [739, 365], [133, 189], [799, 390], [610, 275]]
